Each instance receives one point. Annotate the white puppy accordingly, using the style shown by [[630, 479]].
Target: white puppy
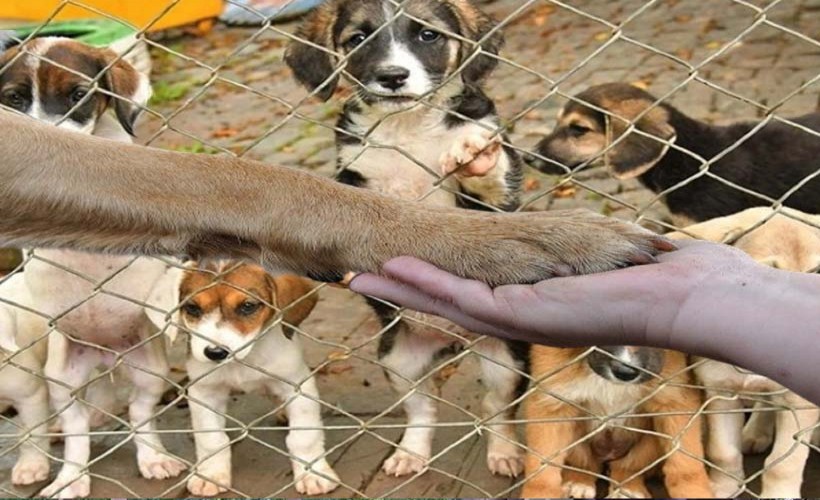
[[93, 300], [23, 344], [240, 321]]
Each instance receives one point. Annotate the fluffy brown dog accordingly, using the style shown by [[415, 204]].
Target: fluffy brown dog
[[587, 413]]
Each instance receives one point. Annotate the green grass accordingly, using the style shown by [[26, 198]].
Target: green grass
[[165, 92], [197, 148]]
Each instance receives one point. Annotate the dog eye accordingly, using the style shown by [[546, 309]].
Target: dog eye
[[14, 99], [78, 95], [429, 36], [192, 310], [577, 129], [355, 40], [247, 308]]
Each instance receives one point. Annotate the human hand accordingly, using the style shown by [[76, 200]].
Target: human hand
[[668, 304]]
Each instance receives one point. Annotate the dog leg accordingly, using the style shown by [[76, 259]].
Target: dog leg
[[785, 464], [212, 474], [723, 446], [33, 465], [306, 439], [407, 361], [628, 474], [547, 445], [64, 381], [758, 433], [148, 369], [504, 456], [684, 474], [581, 483]]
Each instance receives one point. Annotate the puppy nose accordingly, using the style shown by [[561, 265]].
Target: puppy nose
[[393, 77], [216, 353], [624, 373]]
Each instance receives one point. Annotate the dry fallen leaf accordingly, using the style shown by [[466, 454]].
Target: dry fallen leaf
[[565, 191], [531, 185], [224, 133]]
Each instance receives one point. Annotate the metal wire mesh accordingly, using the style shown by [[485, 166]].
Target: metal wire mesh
[[229, 92]]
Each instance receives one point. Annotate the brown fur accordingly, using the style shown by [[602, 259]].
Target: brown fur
[[130, 199], [67, 65], [557, 426], [234, 283]]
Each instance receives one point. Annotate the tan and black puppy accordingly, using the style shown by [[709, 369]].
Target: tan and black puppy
[[595, 126], [51, 79], [627, 408], [420, 127]]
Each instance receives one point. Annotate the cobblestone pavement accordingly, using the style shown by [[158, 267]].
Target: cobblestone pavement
[[230, 92]]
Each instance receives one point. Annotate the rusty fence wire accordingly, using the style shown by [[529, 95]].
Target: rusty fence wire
[[602, 418]]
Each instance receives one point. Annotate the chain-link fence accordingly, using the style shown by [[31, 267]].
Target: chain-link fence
[[89, 333]]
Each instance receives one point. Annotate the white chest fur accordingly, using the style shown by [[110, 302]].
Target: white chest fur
[[401, 153], [89, 290]]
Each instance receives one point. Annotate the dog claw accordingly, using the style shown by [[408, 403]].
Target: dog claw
[[402, 463]]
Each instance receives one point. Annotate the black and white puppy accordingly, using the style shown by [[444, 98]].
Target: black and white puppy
[[419, 127]]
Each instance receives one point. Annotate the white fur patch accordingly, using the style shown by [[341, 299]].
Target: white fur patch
[[418, 83]]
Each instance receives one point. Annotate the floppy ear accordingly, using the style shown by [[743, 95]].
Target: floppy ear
[[476, 26], [311, 65], [291, 294], [635, 154], [132, 87], [164, 298]]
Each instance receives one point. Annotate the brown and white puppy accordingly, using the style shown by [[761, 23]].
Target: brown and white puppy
[[625, 407], [596, 125], [50, 79], [241, 323], [420, 127], [790, 241]]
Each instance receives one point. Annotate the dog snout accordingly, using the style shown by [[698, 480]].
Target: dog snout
[[624, 372], [217, 353], [392, 77]]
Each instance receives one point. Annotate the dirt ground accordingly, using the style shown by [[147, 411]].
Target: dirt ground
[[229, 92]]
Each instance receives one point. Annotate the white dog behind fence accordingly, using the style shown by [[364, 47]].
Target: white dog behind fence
[[94, 301]]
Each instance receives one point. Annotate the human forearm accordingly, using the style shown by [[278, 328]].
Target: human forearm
[[767, 322]]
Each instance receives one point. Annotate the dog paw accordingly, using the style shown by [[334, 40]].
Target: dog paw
[[625, 493], [30, 470], [73, 487], [217, 482], [402, 463], [755, 442], [323, 481], [573, 489], [724, 486], [473, 155], [505, 464], [156, 465]]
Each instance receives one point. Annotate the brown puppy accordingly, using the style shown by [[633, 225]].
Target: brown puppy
[[586, 412]]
